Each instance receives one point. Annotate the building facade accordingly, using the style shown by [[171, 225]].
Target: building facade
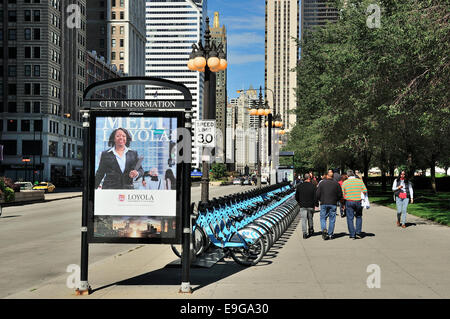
[[172, 28], [246, 134], [281, 57], [116, 31], [316, 13], [219, 36], [43, 76]]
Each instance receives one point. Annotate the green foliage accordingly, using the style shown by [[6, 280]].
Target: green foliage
[[6, 190], [219, 170], [9, 194], [375, 96]]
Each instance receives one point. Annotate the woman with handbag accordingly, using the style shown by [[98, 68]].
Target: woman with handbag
[[403, 193]]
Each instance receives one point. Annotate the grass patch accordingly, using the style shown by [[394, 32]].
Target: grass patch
[[435, 207]]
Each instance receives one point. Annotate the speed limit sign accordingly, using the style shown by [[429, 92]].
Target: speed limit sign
[[205, 133]]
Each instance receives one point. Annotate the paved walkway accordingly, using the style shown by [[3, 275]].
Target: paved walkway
[[412, 262]]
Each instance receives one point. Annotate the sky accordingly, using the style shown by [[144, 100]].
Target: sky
[[245, 26]]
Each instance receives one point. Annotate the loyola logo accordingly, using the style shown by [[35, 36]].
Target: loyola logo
[[121, 197]]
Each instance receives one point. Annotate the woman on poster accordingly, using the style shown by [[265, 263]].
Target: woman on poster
[[119, 166]]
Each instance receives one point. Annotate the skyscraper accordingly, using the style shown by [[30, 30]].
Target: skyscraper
[[116, 31], [219, 35], [317, 13], [282, 30], [172, 28], [43, 63]]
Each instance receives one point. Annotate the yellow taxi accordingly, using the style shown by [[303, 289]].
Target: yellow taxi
[[46, 186]]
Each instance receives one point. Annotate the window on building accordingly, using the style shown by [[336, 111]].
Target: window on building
[[12, 70], [9, 147], [31, 147], [27, 32], [12, 16], [27, 52], [122, 43], [27, 107], [122, 55], [37, 15], [36, 88], [12, 89], [12, 34], [27, 88], [53, 149], [37, 107], [12, 53], [38, 125], [122, 15], [36, 34], [37, 70], [37, 52], [11, 126], [25, 125]]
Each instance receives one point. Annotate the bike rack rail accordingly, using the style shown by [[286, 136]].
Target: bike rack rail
[[244, 225]]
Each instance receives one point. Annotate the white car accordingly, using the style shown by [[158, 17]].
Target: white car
[[237, 181], [263, 180]]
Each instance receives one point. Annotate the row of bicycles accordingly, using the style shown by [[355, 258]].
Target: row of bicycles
[[244, 225]]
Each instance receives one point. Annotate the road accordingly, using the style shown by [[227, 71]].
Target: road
[[38, 241]]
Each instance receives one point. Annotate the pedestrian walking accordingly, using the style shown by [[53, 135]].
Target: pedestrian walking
[[328, 193], [342, 203], [336, 175], [313, 179], [403, 193], [352, 189], [306, 197]]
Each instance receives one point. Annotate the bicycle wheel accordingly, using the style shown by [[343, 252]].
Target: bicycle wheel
[[198, 241], [248, 256]]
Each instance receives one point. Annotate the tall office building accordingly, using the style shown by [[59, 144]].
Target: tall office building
[[42, 69], [219, 36], [126, 31], [172, 28], [116, 30], [246, 130], [282, 30], [317, 13]]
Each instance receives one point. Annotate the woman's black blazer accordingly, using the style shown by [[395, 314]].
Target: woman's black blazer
[[110, 170]]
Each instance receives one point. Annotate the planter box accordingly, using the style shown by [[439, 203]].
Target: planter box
[[27, 196]]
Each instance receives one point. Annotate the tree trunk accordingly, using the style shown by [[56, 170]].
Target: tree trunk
[[366, 168], [383, 180], [391, 173], [433, 173]]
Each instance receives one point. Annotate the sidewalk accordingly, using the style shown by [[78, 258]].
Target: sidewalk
[[413, 262]]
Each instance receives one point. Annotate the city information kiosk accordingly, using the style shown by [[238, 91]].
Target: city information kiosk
[[137, 165], [285, 168]]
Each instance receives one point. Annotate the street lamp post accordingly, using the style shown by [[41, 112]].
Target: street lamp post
[[208, 58], [260, 111]]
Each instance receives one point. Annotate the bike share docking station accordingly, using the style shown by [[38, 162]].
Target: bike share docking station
[[137, 163], [243, 226]]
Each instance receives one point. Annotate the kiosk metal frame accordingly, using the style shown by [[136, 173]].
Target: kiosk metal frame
[[182, 110]]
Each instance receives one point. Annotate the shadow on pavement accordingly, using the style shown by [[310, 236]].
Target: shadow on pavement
[[202, 277]]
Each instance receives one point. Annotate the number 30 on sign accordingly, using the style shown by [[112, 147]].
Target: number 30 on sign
[[205, 133]]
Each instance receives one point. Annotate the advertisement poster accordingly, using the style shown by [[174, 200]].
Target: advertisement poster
[[135, 187], [285, 175]]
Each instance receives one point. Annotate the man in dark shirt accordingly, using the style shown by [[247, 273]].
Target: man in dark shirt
[[306, 197], [328, 192]]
